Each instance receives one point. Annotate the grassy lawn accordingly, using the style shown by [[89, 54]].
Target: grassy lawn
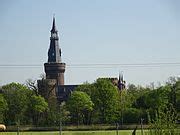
[[122, 132]]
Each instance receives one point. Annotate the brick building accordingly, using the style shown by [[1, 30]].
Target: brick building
[[53, 85]]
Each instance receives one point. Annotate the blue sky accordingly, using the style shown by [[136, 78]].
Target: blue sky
[[91, 31]]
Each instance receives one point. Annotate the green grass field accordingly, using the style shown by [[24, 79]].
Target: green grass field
[[122, 132]]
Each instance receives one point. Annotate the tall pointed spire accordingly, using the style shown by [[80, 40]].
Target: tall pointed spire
[[122, 77], [54, 53], [119, 77], [54, 25], [55, 68]]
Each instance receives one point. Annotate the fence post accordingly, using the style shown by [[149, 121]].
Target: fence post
[[18, 130], [142, 126], [117, 128]]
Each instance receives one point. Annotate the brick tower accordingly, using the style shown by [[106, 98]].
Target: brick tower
[[55, 68]]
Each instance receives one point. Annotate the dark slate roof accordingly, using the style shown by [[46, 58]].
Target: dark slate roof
[[64, 91], [54, 52]]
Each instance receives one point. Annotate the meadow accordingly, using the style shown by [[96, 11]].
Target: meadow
[[121, 132]]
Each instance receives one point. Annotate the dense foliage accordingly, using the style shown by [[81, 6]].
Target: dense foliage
[[80, 107], [20, 105], [98, 103]]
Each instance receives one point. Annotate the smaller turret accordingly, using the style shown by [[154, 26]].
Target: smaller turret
[[121, 82]]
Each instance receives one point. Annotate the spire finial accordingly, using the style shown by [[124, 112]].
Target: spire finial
[[119, 75], [122, 77], [54, 24]]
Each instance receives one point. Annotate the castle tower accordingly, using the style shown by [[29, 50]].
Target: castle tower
[[54, 68]]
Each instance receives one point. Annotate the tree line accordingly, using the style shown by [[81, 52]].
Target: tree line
[[97, 103]]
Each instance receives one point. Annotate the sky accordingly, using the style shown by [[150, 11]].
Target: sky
[[111, 32]]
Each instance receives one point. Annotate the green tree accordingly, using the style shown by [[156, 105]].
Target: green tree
[[132, 115], [87, 88], [105, 98], [154, 98], [80, 105], [136, 95], [52, 116], [164, 122], [174, 96], [64, 114], [17, 97], [38, 105], [3, 108]]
